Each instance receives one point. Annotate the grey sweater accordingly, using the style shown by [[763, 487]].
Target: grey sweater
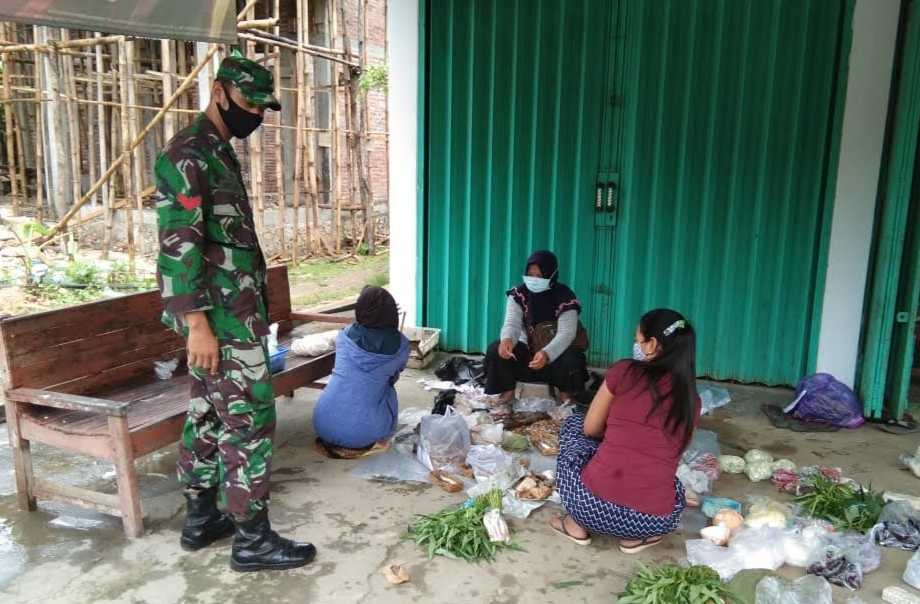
[[513, 329]]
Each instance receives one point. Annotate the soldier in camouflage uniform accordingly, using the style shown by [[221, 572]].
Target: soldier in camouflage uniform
[[212, 275]]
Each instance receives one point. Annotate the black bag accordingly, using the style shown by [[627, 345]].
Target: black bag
[[543, 333], [460, 370]]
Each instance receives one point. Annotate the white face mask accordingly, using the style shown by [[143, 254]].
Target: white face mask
[[638, 355], [536, 285]]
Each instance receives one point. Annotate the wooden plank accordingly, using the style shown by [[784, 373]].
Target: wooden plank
[[157, 436], [321, 318], [22, 457], [59, 400], [77, 496], [301, 371], [126, 478], [35, 430]]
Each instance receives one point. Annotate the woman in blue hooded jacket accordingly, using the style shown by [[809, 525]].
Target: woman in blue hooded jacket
[[359, 407]]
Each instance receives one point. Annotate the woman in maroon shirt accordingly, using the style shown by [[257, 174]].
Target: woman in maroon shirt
[[617, 464]]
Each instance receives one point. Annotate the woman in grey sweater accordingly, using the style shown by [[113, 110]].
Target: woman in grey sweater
[[537, 307]]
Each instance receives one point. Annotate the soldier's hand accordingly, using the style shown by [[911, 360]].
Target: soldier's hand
[[203, 350]]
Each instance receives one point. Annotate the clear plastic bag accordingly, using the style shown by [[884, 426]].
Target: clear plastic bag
[[487, 460], [809, 589], [847, 557], [912, 572], [443, 439], [900, 526]]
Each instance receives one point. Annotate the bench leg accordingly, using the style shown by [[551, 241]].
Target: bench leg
[[132, 516], [22, 458]]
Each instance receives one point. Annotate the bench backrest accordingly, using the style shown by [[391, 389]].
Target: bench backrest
[[82, 348]]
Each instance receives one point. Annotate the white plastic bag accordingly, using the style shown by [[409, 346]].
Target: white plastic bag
[[164, 369], [272, 339], [809, 589], [315, 344], [487, 460], [912, 572]]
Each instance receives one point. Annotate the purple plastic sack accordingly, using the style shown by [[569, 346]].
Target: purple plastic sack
[[821, 398]]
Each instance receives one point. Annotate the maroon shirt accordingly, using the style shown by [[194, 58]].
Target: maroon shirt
[[637, 460]]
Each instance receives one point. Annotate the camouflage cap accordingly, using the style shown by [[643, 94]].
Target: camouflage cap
[[255, 82]]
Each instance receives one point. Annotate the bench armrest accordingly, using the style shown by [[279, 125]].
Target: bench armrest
[[75, 402]]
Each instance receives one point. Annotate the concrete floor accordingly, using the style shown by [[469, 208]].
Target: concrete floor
[[61, 554]]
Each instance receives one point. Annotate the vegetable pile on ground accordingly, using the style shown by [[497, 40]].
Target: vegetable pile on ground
[[459, 532], [846, 506], [677, 585]]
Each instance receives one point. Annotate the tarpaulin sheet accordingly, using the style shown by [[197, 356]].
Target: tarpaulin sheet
[[202, 20]]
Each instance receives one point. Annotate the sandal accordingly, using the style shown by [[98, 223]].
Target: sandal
[[641, 546], [562, 530]]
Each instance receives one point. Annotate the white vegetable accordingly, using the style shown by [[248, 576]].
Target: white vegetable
[[785, 464], [496, 527], [755, 455], [758, 470], [731, 464]]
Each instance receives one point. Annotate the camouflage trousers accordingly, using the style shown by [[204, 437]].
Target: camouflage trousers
[[227, 440]]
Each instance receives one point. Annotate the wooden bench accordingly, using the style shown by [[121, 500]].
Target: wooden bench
[[81, 379]]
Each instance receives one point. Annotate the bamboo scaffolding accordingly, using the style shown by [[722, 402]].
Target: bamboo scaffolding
[[80, 107], [10, 138]]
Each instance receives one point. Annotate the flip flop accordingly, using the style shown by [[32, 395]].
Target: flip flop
[[562, 530], [641, 546], [893, 426]]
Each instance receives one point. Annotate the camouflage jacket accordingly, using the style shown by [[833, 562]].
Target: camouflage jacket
[[209, 258]]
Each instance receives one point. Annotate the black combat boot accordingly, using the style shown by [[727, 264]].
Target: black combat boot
[[204, 523], [257, 547]]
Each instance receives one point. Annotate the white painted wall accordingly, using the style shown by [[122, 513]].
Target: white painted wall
[[403, 112], [875, 25]]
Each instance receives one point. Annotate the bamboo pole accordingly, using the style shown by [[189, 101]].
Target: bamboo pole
[[108, 210], [127, 172], [39, 145], [318, 51], [136, 162], [53, 129], [73, 121], [57, 46], [189, 80], [92, 151], [367, 193], [279, 159], [256, 155], [299, 68], [8, 122], [166, 55], [336, 151]]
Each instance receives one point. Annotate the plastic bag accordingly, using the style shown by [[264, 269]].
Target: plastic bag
[[487, 434], [900, 526], [443, 440], [164, 369], [538, 405], [764, 511], [847, 557], [750, 548], [912, 572], [272, 339], [315, 344], [443, 400], [487, 460], [712, 397], [460, 370], [809, 589], [822, 398]]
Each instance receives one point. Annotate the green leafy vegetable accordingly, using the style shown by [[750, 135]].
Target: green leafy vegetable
[[844, 505], [676, 585], [458, 532]]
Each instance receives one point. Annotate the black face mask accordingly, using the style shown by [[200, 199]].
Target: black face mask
[[239, 122]]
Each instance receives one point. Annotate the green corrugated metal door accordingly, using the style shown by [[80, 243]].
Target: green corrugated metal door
[[729, 157], [513, 101], [672, 153], [891, 315]]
